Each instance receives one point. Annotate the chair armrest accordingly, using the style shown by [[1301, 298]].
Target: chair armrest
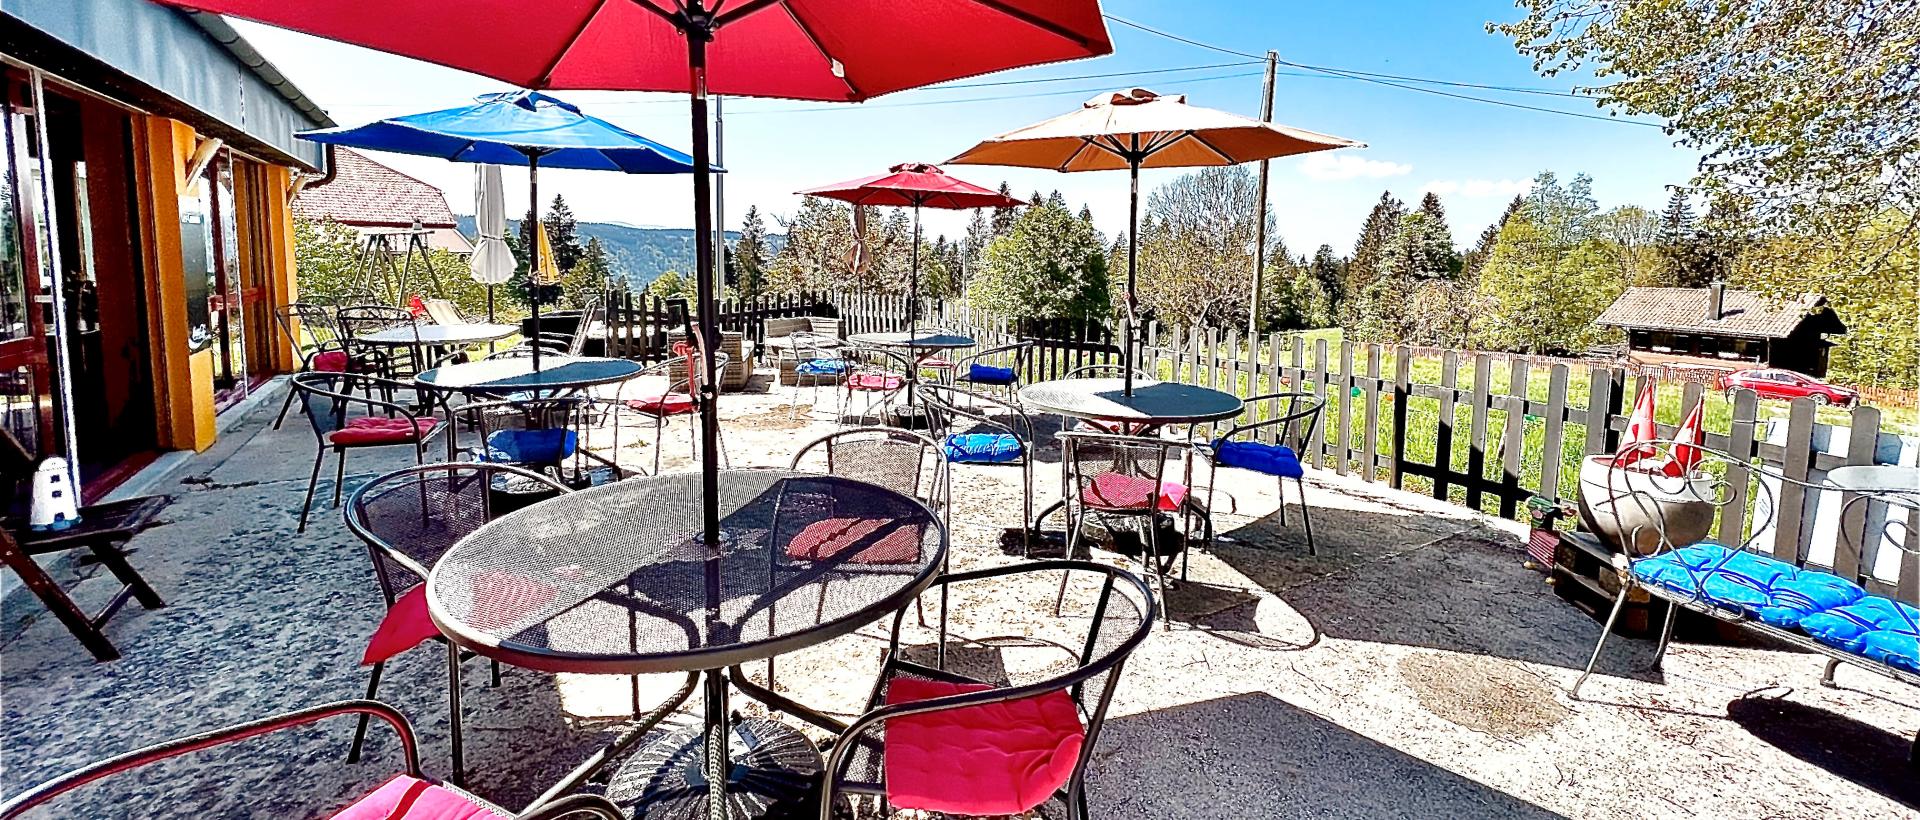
[[44, 792], [574, 805]]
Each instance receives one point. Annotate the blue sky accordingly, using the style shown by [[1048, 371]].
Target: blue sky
[[1476, 155]]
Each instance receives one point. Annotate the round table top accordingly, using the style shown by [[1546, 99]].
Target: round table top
[[438, 334], [613, 580], [1152, 402], [513, 375], [918, 339], [1876, 478]]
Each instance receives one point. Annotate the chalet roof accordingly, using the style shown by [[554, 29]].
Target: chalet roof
[[368, 194], [1745, 313]]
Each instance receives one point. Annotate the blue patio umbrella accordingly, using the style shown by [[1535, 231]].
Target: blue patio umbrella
[[516, 128]]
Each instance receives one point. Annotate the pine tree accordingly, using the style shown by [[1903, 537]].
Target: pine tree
[[1376, 236], [749, 255], [1086, 213], [1330, 270], [564, 233], [1002, 217], [1476, 258]]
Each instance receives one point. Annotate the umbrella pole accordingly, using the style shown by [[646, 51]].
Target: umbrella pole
[[1133, 261], [913, 282], [533, 250]]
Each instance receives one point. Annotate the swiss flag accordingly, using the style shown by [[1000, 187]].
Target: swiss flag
[[1642, 430], [1687, 442], [417, 307]]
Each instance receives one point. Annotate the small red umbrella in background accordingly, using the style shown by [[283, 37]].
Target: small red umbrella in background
[[830, 50], [914, 185]]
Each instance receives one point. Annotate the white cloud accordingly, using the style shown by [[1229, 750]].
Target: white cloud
[[1331, 166], [1479, 188]]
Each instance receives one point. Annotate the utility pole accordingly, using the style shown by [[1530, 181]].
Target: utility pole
[[1260, 211], [719, 199]]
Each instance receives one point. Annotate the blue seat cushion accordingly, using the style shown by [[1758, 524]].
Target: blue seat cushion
[[1272, 459], [1756, 585], [530, 446], [1873, 627], [988, 374], [983, 448], [821, 367]]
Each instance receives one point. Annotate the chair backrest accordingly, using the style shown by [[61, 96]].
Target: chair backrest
[[592, 317], [329, 402], [892, 458], [409, 518], [779, 328], [1115, 473], [825, 325], [954, 410], [355, 320], [1288, 419], [316, 322], [1103, 371]]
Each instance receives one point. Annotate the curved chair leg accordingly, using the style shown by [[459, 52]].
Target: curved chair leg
[[339, 474], [1826, 677], [360, 731], [313, 482], [1619, 602], [454, 732], [1306, 518], [493, 681], [659, 436], [284, 407], [1666, 638], [1280, 485], [1153, 567], [1073, 542]]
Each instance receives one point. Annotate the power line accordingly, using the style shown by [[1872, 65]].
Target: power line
[[994, 98], [1379, 79]]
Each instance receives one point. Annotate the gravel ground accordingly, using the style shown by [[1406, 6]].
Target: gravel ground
[[1412, 668]]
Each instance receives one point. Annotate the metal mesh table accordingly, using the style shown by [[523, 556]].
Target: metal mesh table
[[1153, 403], [503, 376], [921, 345], [615, 580]]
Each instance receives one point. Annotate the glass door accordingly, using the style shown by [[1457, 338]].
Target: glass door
[[30, 403]]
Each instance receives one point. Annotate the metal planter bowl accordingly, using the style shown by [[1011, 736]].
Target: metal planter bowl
[[1625, 503]]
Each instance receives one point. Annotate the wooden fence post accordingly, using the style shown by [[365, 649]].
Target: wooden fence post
[[1513, 436], [1370, 441], [1796, 463], [1863, 435], [1553, 441], [1443, 437], [1477, 428], [1402, 392]]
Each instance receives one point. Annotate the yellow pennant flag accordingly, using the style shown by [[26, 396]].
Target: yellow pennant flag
[[549, 273]]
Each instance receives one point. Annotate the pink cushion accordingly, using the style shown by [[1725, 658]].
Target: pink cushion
[[405, 627], [382, 430], [1116, 491], [332, 361], [879, 541], [410, 798], [935, 362], [671, 404], [874, 381], [1117, 428], [991, 759]]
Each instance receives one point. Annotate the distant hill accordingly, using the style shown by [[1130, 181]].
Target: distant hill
[[640, 254]]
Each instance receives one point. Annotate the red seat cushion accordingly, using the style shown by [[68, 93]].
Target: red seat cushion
[[410, 798], [1114, 427], [670, 404], [405, 627], [874, 381], [991, 759], [382, 430], [332, 361], [1117, 491], [878, 541], [935, 361]]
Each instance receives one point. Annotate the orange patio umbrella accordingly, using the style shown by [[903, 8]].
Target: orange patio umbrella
[[1136, 129]]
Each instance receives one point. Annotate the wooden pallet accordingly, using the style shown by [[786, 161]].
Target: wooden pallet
[[1583, 575]]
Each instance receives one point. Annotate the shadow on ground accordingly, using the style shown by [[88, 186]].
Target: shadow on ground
[[1256, 756], [1868, 756]]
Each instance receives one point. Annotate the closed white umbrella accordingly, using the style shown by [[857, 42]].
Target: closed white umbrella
[[492, 262]]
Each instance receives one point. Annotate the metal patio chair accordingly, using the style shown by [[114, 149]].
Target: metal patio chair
[[1287, 429], [343, 421], [934, 740], [876, 373], [1126, 477], [817, 359], [327, 354], [410, 791], [977, 429], [681, 399], [900, 460], [408, 519]]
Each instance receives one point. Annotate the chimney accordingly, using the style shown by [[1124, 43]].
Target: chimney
[[1716, 301]]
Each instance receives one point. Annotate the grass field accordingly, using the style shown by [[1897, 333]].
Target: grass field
[[1423, 414]]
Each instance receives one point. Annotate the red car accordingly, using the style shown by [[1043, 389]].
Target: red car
[[1786, 385]]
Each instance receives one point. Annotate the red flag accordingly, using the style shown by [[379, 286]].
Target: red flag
[[1688, 441], [417, 307], [1642, 430]]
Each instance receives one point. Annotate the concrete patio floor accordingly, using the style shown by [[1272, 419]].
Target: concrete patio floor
[[1413, 668]]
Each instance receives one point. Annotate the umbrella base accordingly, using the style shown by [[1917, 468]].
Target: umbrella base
[[775, 774]]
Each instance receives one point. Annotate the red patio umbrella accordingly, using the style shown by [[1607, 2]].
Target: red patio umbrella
[[914, 184], [831, 50]]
